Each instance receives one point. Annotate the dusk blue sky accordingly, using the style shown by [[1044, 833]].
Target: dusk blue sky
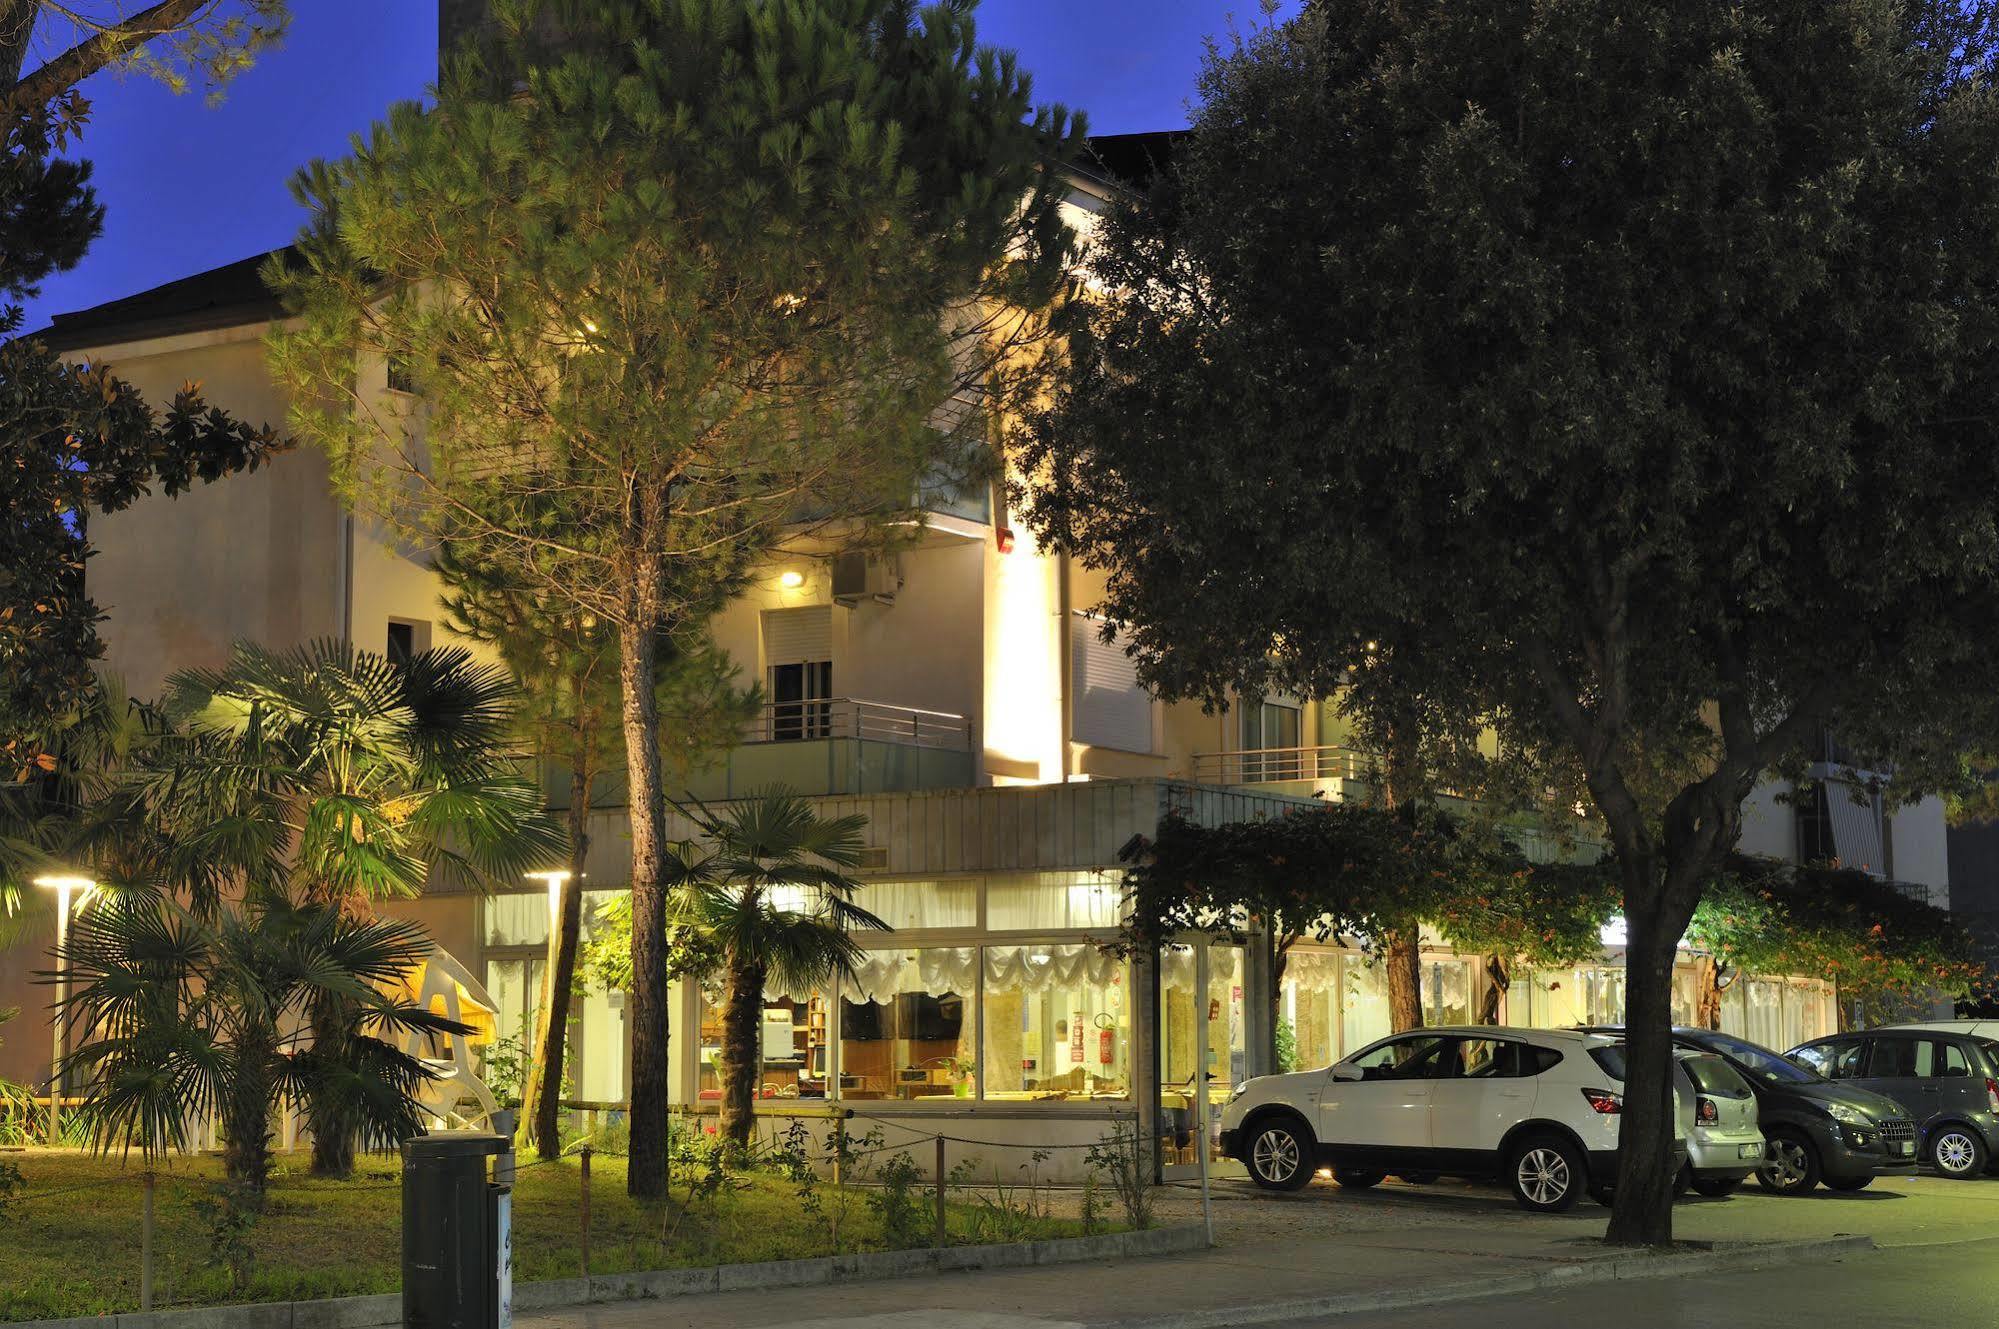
[[188, 186]]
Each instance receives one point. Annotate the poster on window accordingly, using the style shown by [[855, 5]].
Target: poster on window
[[1076, 1039]]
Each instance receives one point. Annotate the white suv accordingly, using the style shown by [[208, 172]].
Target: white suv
[[1534, 1106]]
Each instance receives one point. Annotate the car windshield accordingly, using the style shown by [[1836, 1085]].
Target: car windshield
[[1759, 1062]]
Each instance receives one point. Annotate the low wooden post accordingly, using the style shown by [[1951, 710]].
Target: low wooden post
[[146, 1244], [585, 1157], [940, 1191]]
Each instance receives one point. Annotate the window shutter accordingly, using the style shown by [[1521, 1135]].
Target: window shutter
[[798, 636], [1109, 708]]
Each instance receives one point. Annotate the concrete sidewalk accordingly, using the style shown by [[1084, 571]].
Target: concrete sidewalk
[[1242, 1283]]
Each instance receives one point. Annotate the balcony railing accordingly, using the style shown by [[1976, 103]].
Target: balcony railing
[[852, 717], [1272, 765]]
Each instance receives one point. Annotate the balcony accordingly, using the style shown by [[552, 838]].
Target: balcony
[[1300, 771], [840, 746]]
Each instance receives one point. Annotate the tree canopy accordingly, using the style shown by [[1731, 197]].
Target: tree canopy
[[1642, 354], [674, 284]]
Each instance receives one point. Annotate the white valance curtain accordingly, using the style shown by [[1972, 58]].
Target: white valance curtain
[[1313, 971], [1049, 968], [1176, 965]]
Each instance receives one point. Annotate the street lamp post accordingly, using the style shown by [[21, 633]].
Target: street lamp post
[[67, 889]]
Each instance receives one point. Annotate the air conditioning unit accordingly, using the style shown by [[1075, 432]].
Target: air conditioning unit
[[860, 576]]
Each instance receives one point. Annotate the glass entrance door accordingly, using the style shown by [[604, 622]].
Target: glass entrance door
[[1203, 1051]]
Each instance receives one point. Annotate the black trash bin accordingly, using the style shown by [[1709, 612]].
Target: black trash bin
[[456, 1265]]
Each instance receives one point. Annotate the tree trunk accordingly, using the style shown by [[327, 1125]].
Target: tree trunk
[[742, 1059], [1404, 958], [1498, 976], [1707, 993], [246, 1119], [637, 643], [329, 1113], [1656, 914], [542, 1098]]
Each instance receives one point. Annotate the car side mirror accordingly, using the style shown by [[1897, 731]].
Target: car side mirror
[[1347, 1072]]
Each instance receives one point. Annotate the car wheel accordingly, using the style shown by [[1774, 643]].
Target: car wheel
[[1957, 1153], [1790, 1163], [1849, 1183], [1716, 1187], [1354, 1179], [1547, 1174], [1418, 1178], [1280, 1155]]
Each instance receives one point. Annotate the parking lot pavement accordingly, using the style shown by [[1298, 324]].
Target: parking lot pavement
[[1325, 1243], [1917, 1287], [1895, 1211]]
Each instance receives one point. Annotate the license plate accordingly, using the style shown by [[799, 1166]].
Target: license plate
[[1749, 1151], [1905, 1146]]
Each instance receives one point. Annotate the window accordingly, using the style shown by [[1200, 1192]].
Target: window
[[1108, 707], [1491, 1059], [1364, 1015], [793, 1047], [1937, 1059], [1815, 838], [907, 1024], [398, 377], [1052, 901], [798, 651], [1268, 725], [1715, 1077], [407, 639], [915, 905], [1891, 1059], [1447, 989], [1418, 1057], [1834, 1060], [1058, 1024]]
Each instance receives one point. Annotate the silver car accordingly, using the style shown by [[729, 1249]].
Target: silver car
[[1724, 1137]]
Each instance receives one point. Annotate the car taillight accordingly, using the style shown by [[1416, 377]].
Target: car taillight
[[1992, 1095], [1604, 1101], [1705, 1112]]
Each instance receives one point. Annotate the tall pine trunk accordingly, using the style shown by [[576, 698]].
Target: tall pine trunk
[[742, 1059], [1404, 957], [543, 1093], [637, 676]]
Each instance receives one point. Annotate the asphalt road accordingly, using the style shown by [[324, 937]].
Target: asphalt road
[[1949, 1286]]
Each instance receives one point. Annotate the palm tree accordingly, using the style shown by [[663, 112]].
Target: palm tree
[[775, 899], [335, 777], [182, 1016]]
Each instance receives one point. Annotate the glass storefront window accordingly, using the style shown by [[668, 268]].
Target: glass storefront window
[[793, 1042], [907, 1025], [1364, 1016], [1447, 991], [520, 918], [1052, 902], [910, 906], [1058, 1024], [1309, 1006]]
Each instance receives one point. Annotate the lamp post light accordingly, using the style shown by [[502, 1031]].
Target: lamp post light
[[67, 889]]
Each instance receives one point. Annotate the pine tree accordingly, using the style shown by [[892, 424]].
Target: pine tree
[[567, 666], [680, 282]]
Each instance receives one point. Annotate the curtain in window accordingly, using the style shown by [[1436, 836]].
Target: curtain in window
[[1313, 971]]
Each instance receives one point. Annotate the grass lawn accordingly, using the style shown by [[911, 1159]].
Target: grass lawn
[[69, 1242]]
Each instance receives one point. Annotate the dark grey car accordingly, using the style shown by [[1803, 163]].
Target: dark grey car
[[1948, 1083]]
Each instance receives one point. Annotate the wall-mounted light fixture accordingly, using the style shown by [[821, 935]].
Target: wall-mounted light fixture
[[791, 579]]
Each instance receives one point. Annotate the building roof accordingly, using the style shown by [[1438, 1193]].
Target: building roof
[[1130, 159], [224, 297]]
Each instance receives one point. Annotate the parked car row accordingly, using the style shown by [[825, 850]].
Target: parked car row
[[1539, 1109]]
